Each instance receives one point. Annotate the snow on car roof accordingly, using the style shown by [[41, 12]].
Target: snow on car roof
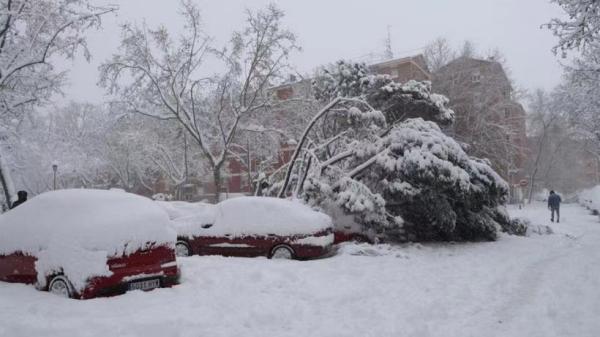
[[264, 215], [75, 230], [246, 216], [181, 209]]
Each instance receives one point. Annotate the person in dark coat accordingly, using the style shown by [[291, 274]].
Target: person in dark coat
[[22, 198], [554, 206]]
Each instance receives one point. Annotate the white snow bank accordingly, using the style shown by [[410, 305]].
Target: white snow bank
[[538, 286], [590, 198], [263, 215], [76, 230]]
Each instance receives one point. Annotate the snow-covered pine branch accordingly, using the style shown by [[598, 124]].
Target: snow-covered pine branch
[[363, 160]]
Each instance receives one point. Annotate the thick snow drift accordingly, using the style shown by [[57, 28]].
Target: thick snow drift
[[76, 230], [538, 286]]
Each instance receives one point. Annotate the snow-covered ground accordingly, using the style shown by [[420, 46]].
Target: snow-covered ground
[[543, 285]]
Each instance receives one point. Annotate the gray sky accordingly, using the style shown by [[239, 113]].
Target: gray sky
[[329, 30]]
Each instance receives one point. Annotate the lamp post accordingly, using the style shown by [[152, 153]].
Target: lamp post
[[54, 169], [512, 185]]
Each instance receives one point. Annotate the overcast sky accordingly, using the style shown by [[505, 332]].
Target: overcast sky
[[329, 30]]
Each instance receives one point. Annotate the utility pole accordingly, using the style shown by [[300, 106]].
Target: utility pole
[[389, 54]]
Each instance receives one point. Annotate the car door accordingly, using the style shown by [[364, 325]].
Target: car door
[[18, 267], [211, 241], [225, 242], [248, 245]]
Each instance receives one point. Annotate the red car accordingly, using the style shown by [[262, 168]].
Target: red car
[[345, 236], [255, 226], [88, 243]]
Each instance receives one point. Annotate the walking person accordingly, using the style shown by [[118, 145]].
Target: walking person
[[554, 201], [22, 197]]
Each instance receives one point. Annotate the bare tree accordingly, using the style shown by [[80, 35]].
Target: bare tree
[[97, 147], [543, 118], [31, 33], [488, 121], [468, 49], [438, 53], [169, 82]]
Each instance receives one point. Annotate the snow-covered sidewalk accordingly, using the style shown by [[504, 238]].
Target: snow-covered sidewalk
[[543, 285]]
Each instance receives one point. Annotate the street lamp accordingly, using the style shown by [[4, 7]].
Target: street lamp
[[54, 169]]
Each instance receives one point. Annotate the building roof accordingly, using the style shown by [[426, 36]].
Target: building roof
[[418, 60], [470, 62]]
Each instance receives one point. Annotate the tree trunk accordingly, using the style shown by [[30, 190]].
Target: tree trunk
[[249, 161], [217, 181], [5, 190], [6, 181], [304, 174], [531, 183], [288, 173], [536, 164]]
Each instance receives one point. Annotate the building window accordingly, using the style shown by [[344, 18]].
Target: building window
[[507, 113], [476, 77], [394, 73]]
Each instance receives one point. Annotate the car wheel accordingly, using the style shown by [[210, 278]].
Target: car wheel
[[60, 286], [182, 249], [282, 252]]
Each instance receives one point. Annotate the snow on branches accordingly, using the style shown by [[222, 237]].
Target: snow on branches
[[582, 28], [397, 101], [163, 77], [31, 33], [579, 92], [367, 161], [415, 183]]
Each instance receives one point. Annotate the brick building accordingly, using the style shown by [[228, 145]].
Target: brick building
[[404, 69], [488, 119]]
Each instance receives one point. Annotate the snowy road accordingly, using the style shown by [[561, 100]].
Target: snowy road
[[543, 285]]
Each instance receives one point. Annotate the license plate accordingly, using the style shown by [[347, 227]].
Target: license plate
[[144, 285]]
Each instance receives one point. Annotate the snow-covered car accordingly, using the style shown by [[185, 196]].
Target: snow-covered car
[[88, 243], [255, 226], [346, 235]]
